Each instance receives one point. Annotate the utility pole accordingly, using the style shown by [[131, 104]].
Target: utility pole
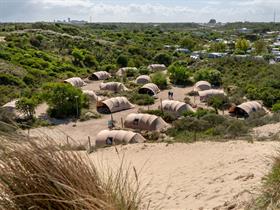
[[274, 16], [77, 108]]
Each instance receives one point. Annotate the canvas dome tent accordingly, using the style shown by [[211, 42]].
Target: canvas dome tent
[[145, 122], [113, 86], [115, 137], [92, 95], [113, 105], [247, 108], [205, 94], [176, 107], [10, 106], [150, 89], [100, 75], [202, 85], [75, 81], [143, 79], [122, 71], [157, 67]]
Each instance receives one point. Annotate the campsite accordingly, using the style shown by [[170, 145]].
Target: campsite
[[190, 111]]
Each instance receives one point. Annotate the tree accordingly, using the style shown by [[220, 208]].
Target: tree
[[179, 75], [163, 58], [242, 45], [211, 75], [260, 47], [122, 61], [64, 100], [218, 102], [27, 106], [160, 80]]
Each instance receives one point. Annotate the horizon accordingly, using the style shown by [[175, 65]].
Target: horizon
[[136, 11]]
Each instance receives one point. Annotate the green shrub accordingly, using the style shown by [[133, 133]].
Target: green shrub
[[211, 75], [122, 61], [141, 99], [276, 107], [160, 80], [64, 100], [163, 58], [179, 75], [6, 79], [167, 117]]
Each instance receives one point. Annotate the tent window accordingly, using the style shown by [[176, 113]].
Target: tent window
[[117, 104], [109, 141], [135, 121]]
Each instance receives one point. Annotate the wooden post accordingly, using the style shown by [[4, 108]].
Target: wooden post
[[122, 122], [28, 134], [161, 105], [67, 140], [89, 145]]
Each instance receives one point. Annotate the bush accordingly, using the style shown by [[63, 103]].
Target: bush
[[27, 106], [89, 115], [122, 61], [64, 100], [276, 107], [179, 75], [141, 99], [160, 80], [211, 75], [163, 58]]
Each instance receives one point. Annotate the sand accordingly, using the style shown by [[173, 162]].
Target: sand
[[203, 175]]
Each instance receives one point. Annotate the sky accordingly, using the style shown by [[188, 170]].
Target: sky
[[139, 10]]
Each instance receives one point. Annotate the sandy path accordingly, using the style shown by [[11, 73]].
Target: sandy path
[[196, 176]]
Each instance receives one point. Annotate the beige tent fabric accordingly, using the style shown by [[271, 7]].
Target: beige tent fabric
[[176, 107], [117, 104], [101, 75], [143, 79], [10, 106], [151, 87], [92, 95], [122, 71], [204, 95], [115, 137], [250, 107], [75, 81], [113, 86], [202, 85], [145, 122], [157, 67]]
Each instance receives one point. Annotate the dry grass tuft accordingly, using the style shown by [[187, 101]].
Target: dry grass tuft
[[37, 176]]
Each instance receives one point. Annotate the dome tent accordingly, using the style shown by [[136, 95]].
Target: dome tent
[[176, 107], [205, 94], [145, 122], [114, 105], [75, 81], [202, 85], [115, 137], [100, 75], [150, 89], [113, 86], [92, 95], [157, 67], [143, 79], [247, 108]]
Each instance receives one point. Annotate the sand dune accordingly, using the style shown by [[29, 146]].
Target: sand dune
[[206, 175]]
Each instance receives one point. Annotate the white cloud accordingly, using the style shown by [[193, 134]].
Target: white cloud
[[63, 3]]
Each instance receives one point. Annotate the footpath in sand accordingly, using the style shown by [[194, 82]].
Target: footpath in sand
[[203, 175]]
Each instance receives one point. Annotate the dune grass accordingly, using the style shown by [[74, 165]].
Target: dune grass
[[270, 194], [41, 176]]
